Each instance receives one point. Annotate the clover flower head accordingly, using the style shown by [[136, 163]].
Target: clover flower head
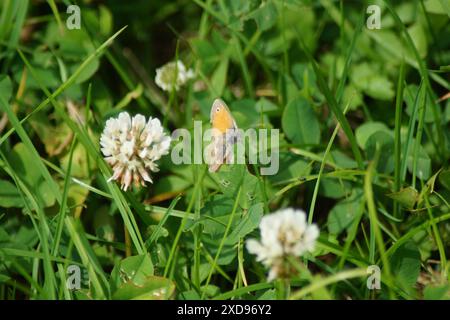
[[173, 75], [283, 233], [131, 146]]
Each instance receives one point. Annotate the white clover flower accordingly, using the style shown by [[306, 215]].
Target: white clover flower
[[173, 75], [283, 233], [131, 146]]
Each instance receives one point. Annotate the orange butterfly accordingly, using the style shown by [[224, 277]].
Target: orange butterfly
[[225, 134]]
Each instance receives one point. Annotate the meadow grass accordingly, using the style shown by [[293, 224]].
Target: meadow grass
[[364, 149]]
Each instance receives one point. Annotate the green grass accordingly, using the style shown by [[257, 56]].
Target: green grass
[[364, 148]]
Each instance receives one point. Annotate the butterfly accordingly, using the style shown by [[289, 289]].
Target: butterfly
[[225, 134]]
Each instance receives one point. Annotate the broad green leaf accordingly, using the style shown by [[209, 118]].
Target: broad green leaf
[[342, 160], [219, 78], [265, 16], [344, 212], [105, 20], [291, 167], [390, 46], [156, 232], [9, 195], [88, 71], [76, 198], [150, 288], [436, 6], [334, 188], [248, 222], [207, 53], [238, 7], [246, 113], [49, 78], [383, 143], [364, 131], [54, 137], [352, 97], [444, 179], [423, 167], [410, 95], [406, 197], [372, 81], [4, 278], [231, 178], [264, 105], [5, 87], [432, 292], [405, 263], [300, 123], [80, 165], [134, 269], [82, 294], [419, 38], [30, 174], [304, 76], [215, 215]]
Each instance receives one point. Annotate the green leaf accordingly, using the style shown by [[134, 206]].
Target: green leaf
[[4, 278], [436, 6], [105, 20], [9, 195], [249, 222], [265, 16], [344, 212], [291, 167], [419, 38], [156, 232], [407, 197], [231, 177], [370, 80], [405, 263], [389, 45], [343, 160], [207, 53], [30, 174], [89, 70], [410, 94], [444, 179], [238, 8], [304, 76], [423, 166], [264, 105], [334, 188], [367, 129], [219, 78], [432, 292], [215, 214], [300, 123], [246, 114], [5, 87], [82, 294], [134, 269], [49, 78], [151, 288], [352, 97], [383, 143]]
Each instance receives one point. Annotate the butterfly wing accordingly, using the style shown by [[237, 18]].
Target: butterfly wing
[[224, 137], [218, 151]]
